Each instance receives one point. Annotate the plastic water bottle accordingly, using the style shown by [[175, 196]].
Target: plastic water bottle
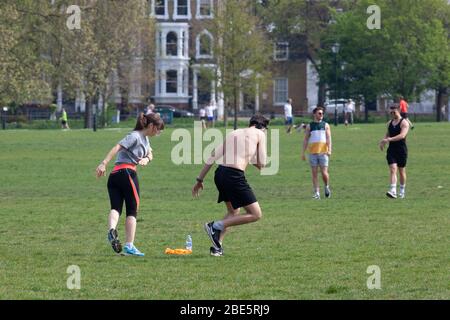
[[189, 242]]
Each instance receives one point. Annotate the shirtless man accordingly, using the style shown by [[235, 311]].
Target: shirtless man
[[241, 147]]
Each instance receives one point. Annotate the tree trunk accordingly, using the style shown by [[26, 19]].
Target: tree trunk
[[235, 109], [321, 95], [366, 113], [225, 113], [440, 102], [88, 114]]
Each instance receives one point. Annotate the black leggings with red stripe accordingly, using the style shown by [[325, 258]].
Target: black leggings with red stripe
[[124, 185]]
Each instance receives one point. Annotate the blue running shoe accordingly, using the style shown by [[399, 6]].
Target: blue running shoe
[[132, 251]]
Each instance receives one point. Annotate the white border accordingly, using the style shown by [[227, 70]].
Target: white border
[[279, 103], [197, 45], [199, 16], [275, 51], [180, 17], [166, 10]]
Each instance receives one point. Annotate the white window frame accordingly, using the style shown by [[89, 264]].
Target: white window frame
[[176, 16], [199, 15], [176, 43], [176, 82], [277, 50], [166, 10], [282, 101], [198, 43]]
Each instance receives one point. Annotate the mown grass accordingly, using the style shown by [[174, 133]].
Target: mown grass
[[53, 212]]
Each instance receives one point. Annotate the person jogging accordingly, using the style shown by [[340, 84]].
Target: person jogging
[[123, 184], [241, 147], [397, 152]]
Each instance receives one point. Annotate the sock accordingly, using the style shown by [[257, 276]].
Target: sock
[[402, 188], [218, 225], [317, 191], [129, 244], [394, 188]]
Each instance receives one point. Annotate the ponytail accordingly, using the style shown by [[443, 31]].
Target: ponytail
[[144, 121]]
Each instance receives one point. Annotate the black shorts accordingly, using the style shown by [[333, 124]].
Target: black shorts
[[398, 156], [123, 185], [63, 122], [233, 187], [404, 115]]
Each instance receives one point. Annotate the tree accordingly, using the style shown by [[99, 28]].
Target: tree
[[242, 52], [400, 58], [112, 34], [22, 66], [302, 23]]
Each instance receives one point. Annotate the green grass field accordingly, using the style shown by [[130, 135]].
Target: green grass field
[[53, 214]]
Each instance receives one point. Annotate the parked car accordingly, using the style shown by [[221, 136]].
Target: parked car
[[177, 113], [331, 105]]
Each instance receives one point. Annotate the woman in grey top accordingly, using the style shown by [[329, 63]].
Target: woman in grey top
[[123, 184]]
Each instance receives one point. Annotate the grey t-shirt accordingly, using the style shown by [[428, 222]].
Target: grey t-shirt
[[135, 146]]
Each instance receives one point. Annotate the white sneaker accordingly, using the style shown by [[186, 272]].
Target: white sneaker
[[392, 194], [327, 192], [401, 195], [316, 196]]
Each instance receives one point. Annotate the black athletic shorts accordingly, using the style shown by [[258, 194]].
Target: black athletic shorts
[[404, 115], [233, 187], [398, 156], [123, 185]]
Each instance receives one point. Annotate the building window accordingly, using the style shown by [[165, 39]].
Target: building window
[[171, 44], [159, 9], [204, 9], [281, 51], [280, 91], [204, 45], [182, 9], [171, 81]]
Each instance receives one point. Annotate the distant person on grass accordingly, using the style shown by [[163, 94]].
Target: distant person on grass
[[288, 115], [64, 120], [123, 184], [397, 152], [318, 142], [404, 110], [241, 147]]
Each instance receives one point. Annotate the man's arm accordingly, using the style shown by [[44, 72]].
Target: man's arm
[[328, 137], [261, 152], [384, 141], [217, 154]]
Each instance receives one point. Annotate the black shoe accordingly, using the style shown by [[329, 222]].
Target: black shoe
[[213, 234], [113, 238], [216, 253]]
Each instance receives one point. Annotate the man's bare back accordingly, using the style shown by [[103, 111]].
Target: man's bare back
[[241, 147]]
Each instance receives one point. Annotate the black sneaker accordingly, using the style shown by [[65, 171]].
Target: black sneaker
[[216, 253], [213, 234], [113, 239]]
